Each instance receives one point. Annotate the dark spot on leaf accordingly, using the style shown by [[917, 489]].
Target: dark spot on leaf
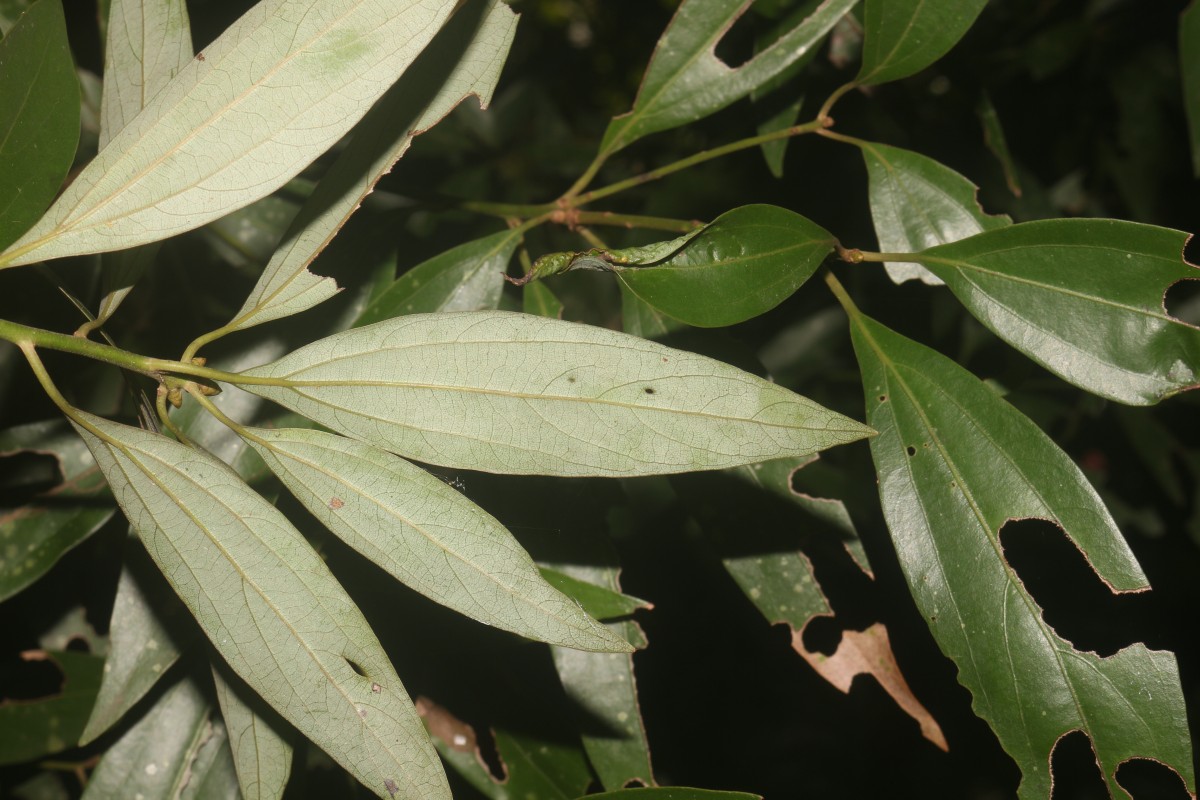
[[357, 669], [199, 56], [571, 379], [336, 502], [664, 359], [362, 712], [912, 451], [1182, 300], [376, 688], [648, 390], [953, 484], [1074, 601], [883, 398], [391, 787]]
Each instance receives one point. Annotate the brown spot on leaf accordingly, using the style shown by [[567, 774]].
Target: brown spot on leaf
[[391, 786], [376, 688], [199, 56], [362, 712], [336, 502], [443, 725]]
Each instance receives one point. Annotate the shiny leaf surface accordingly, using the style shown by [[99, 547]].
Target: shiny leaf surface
[[903, 37]]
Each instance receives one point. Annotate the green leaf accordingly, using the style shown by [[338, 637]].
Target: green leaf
[[145, 639], [774, 151], [955, 463], [269, 605], [262, 758], [278, 88], [464, 59], [903, 37], [1189, 64], [39, 116], [538, 299], [503, 392], [686, 81], [427, 535], [639, 318], [995, 141], [600, 602], [31, 729], [917, 203], [671, 793], [10, 12], [1083, 298], [42, 531], [156, 756], [542, 767], [149, 41], [468, 277]]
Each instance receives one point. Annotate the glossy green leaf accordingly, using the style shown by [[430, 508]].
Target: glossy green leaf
[[427, 535], [639, 318], [503, 392], [278, 88], [468, 277], [269, 605], [917, 203], [686, 81], [672, 793], [32, 729], [262, 758], [742, 264], [146, 634], [464, 59], [955, 463], [39, 533], [10, 12], [903, 37], [1083, 298], [39, 116], [149, 42], [1189, 64], [599, 601]]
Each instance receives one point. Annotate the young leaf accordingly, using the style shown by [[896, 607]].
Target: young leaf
[[468, 277], [145, 638], [1189, 64], [686, 81], [269, 605], [918, 203], [503, 392], [42, 531], [261, 757], [39, 116], [955, 463], [1083, 298], [463, 59], [32, 729], [274, 91], [427, 535], [903, 37]]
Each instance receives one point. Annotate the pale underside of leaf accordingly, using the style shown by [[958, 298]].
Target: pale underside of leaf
[[385, 134], [276, 90], [269, 605], [503, 392], [427, 535]]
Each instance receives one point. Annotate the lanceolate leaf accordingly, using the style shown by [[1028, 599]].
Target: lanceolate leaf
[[270, 606], [686, 81], [463, 59], [955, 463], [503, 392], [39, 116], [599, 601], [1189, 62], [262, 758], [903, 37], [918, 203], [1083, 298], [468, 277], [427, 535], [272, 93]]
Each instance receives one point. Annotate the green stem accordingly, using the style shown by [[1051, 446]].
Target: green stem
[[519, 210], [586, 177], [842, 296], [591, 238], [830, 101], [233, 425], [636, 221]]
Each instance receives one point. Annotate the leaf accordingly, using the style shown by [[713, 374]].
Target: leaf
[[145, 639], [269, 605], [261, 756], [31, 729], [1083, 298], [774, 151], [602, 603], [427, 535], [955, 463], [1189, 70], [995, 141], [672, 793], [468, 277], [10, 12], [148, 43], [686, 81], [39, 116], [463, 59], [639, 318], [742, 264], [278, 88], [903, 37], [918, 203], [538, 299], [502, 392], [52, 523], [155, 757]]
